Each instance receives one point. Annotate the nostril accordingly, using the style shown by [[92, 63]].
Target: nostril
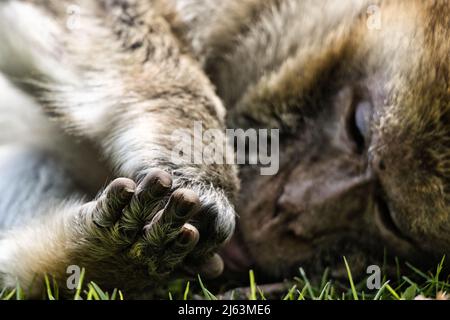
[[378, 163]]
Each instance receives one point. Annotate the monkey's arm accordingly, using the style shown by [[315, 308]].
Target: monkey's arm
[[106, 237], [122, 80]]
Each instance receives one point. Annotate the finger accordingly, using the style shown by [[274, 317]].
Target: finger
[[155, 185], [167, 223], [212, 230], [146, 202], [179, 249], [211, 268], [115, 198], [186, 240], [182, 205]]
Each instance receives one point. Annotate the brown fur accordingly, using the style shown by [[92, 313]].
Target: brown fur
[[270, 79]]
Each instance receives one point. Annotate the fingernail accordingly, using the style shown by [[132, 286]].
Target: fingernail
[[186, 237], [126, 193], [182, 210], [159, 188], [184, 206]]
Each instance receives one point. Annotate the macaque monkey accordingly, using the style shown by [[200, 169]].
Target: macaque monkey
[[358, 89]]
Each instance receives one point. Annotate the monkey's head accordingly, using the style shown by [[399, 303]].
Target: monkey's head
[[364, 119]]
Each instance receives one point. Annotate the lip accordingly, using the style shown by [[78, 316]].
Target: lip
[[235, 254], [388, 227]]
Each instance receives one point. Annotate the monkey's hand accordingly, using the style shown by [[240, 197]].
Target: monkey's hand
[[138, 236]]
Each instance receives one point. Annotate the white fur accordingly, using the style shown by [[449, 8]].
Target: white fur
[[28, 43], [31, 52], [21, 119]]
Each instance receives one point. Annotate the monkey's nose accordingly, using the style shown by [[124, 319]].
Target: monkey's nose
[[377, 163]]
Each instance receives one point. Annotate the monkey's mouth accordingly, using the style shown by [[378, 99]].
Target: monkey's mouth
[[388, 227], [236, 256]]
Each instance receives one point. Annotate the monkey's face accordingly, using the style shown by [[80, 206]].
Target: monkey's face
[[364, 154]]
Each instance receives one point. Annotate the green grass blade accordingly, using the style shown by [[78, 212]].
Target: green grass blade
[[301, 295], [380, 291], [261, 294], [208, 295], [79, 285], [307, 283], [10, 295], [100, 293], [290, 294], [420, 273], [350, 278], [19, 293], [324, 292], [392, 291], [92, 292], [409, 281], [48, 288], [323, 281], [114, 294], [252, 285], [55, 289], [186, 291]]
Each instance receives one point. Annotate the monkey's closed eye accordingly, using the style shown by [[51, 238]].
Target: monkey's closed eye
[[358, 124]]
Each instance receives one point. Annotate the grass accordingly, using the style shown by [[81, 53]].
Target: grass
[[418, 283]]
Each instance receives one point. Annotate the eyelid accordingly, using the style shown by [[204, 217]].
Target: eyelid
[[363, 117], [358, 114]]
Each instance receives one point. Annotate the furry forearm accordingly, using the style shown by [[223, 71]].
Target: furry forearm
[[39, 249], [127, 94], [122, 80]]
